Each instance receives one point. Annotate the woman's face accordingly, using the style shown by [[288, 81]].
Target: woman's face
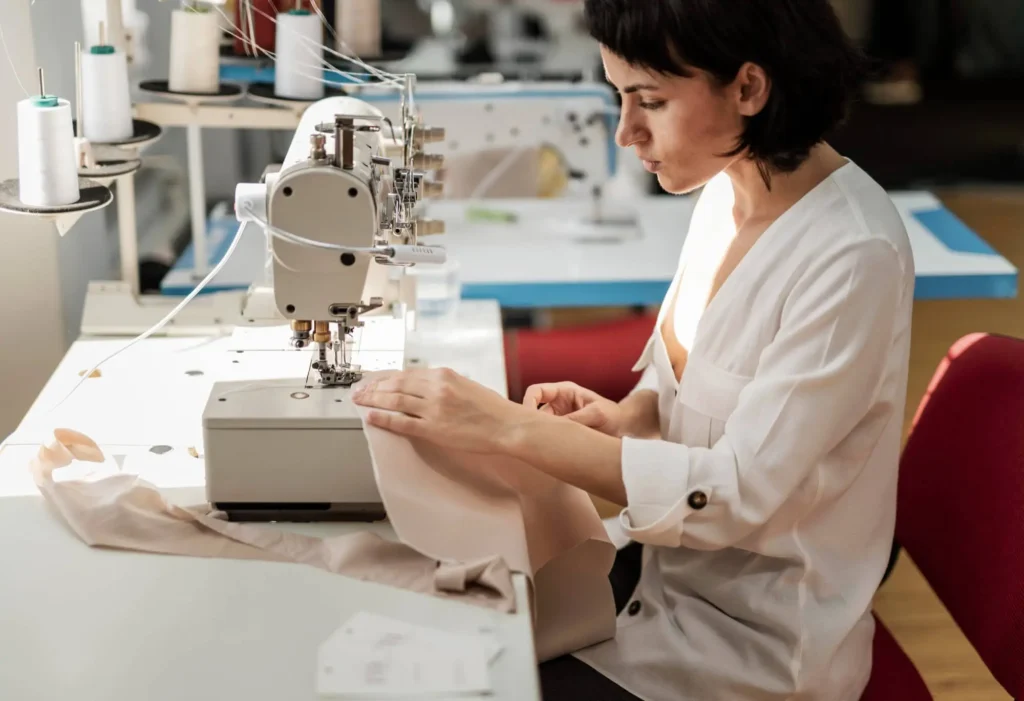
[[678, 126]]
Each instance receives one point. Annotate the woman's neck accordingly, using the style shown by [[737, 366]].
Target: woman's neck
[[754, 202]]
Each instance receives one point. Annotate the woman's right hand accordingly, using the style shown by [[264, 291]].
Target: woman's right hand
[[577, 404]]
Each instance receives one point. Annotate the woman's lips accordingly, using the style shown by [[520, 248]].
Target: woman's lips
[[651, 166]]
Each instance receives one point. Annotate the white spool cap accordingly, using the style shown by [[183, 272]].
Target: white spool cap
[[195, 52], [106, 96], [47, 175], [299, 49]]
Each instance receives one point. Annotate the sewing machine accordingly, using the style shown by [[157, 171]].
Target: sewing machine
[[342, 226]]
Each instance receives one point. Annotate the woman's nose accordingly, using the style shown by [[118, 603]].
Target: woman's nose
[[628, 133]]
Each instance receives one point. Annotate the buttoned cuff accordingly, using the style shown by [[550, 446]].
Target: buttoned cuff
[[659, 495]]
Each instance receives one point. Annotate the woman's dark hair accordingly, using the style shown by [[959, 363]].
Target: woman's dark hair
[[814, 68]]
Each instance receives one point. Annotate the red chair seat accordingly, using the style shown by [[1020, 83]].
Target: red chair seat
[[893, 676]]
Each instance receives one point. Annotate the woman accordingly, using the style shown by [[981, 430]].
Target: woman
[[756, 460]]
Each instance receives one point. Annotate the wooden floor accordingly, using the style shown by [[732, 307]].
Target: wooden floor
[[917, 619]]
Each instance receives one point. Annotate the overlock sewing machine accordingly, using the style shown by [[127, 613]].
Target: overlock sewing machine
[[342, 225]]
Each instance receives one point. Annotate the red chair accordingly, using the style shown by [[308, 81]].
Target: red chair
[[596, 356], [961, 497]]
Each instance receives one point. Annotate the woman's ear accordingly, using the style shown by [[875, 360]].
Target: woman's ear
[[753, 89]]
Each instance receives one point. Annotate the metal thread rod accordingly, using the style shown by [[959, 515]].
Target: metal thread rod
[[127, 232], [78, 90], [197, 199], [42, 83], [103, 33]]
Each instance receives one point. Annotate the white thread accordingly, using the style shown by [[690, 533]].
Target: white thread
[[351, 78], [10, 60], [106, 97], [383, 76], [47, 173], [291, 31], [195, 52], [163, 322]]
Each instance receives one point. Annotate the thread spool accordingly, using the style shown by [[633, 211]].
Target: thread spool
[[47, 175], [195, 51], [106, 95], [359, 27], [299, 52]]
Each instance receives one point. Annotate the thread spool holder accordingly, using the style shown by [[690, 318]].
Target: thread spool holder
[[93, 195], [263, 93], [227, 92]]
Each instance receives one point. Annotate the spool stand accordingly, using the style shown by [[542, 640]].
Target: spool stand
[[93, 195], [263, 93], [228, 92]]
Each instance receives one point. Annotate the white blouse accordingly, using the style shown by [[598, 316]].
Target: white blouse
[[769, 503]]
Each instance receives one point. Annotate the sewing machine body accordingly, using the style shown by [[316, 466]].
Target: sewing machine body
[[341, 228]]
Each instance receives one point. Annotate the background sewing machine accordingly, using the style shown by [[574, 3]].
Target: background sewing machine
[[545, 150]]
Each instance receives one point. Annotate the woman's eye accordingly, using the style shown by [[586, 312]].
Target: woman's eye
[[654, 105]]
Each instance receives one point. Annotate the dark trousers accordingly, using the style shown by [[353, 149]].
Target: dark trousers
[[566, 678]]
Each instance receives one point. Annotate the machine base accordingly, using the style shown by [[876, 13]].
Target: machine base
[[301, 513]]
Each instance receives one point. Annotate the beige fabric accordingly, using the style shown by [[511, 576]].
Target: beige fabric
[[127, 513], [452, 505], [464, 523]]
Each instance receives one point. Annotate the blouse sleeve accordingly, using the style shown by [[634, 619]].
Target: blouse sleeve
[[648, 380], [814, 383]]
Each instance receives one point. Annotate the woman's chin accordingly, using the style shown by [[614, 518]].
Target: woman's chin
[[675, 184]]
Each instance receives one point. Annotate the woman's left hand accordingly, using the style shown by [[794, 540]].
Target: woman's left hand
[[443, 407]]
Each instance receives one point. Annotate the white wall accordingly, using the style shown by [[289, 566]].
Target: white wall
[[32, 332]]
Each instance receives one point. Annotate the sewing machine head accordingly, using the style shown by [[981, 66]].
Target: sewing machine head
[[340, 217]]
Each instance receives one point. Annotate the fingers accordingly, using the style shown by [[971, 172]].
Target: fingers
[[412, 385], [393, 401], [536, 395], [397, 423], [592, 416]]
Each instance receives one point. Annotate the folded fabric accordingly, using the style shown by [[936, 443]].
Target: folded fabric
[[125, 512]]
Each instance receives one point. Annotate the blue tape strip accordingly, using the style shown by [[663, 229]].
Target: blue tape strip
[[599, 294], [561, 294], [626, 294], [966, 287], [953, 233]]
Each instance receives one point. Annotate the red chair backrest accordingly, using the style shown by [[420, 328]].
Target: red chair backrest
[[599, 356], [961, 497]]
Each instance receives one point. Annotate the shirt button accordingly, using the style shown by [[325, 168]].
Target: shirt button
[[634, 608], [697, 500]]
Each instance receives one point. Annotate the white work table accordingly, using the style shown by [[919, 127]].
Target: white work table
[[539, 261], [101, 625]]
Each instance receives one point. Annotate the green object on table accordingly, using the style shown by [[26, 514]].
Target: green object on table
[[490, 215]]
